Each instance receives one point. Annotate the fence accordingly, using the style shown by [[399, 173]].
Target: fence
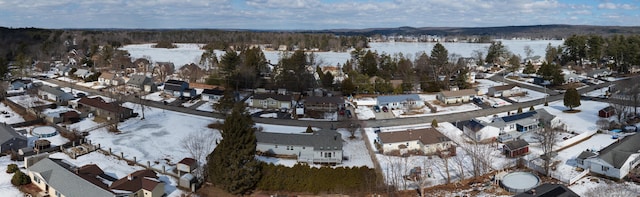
[[532, 165], [573, 140]]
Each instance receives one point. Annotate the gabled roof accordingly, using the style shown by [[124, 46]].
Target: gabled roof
[[327, 140], [618, 153], [278, 97], [141, 179], [82, 72], [475, 125], [608, 109], [458, 93], [425, 136], [65, 181], [7, 133], [549, 190], [323, 99], [107, 75], [383, 100], [174, 82], [56, 91], [187, 161], [520, 116], [97, 102], [139, 80], [503, 87], [213, 91], [586, 154], [516, 144]]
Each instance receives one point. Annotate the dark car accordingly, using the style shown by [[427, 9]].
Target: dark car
[[376, 109], [80, 95], [385, 109], [478, 100]]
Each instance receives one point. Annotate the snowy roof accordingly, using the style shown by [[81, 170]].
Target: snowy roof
[[7, 133], [617, 154], [383, 100], [458, 93], [319, 139], [57, 91], [139, 80], [278, 97]]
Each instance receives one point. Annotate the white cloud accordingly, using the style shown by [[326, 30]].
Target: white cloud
[[613, 6]]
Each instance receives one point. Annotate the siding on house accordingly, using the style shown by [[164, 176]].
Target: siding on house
[[320, 147], [458, 96], [427, 140]]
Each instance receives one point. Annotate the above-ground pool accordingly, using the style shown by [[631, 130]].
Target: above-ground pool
[[44, 131], [518, 182]]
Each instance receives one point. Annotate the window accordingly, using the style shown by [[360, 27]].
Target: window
[[36, 179], [58, 194], [605, 168]]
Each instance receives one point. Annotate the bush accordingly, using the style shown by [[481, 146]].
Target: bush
[[434, 123], [19, 178], [11, 168]]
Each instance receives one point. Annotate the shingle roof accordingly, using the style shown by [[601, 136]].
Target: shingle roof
[[187, 161], [278, 97], [139, 80], [458, 93], [616, 154], [141, 179], [586, 154], [519, 116], [107, 75], [57, 91], [97, 102], [425, 136], [549, 190], [7, 133], [516, 144], [475, 125], [319, 139], [503, 87], [65, 181], [384, 100], [213, 91]]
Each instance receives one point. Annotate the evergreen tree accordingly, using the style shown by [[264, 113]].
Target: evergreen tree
[[232, 165], [529, 68], [368, 64], [519, 110], [226, 103], [348, 87], [571, 98], [434, 123], [309, 129], [531, 108], [496, 50]]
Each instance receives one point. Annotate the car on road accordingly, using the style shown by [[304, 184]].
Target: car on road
[[376, 109], [385, 109]]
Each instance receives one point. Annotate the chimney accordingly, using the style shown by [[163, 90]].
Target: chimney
[[130, 177]]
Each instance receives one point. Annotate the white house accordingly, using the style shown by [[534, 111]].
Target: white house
[[82, 73], [456, 96], [427, 140], [479, 130], [109, 79], [614, 161], [54, 94], [324, 146], [401, 101], [213, 95], [504, 90], [523, 122]]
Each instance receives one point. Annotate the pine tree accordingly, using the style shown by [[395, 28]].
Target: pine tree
[[531, 108], [434, 123], [232, 165], [226, 103], [309, 129], [571, 98], [519, 110]]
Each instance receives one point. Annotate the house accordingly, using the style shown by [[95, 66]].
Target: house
[[599, 73], [323, 104], [178, 88], [480, 130], [139, 183], [272, 101], [142, 82], [20, 84], [607, 112], [63, 70], [427, 140], [549, 189], [191, 73], [213, 95], [634, 69], [110, 79], [324, 146], [404, 101], [515, 148], [101, 108], [572, 78], [505, 91], [614, 161], [70, 117], [456, 96], [82, 73], [54, 94], [58, 178], [10, 139], [187, 165]]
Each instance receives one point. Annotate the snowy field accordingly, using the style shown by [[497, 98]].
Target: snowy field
[[117, 168], [190, 53], [483, 85]]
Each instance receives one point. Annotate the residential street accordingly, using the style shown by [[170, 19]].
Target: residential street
[[370, 123]]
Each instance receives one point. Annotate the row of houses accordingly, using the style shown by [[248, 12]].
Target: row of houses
[[483, 130]]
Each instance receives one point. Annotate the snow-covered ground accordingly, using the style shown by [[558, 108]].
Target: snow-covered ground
[[9, 116], [483, 85], [6, 188], [190, 53]]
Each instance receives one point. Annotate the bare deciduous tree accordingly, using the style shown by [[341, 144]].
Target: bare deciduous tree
[[199, 144], [547, 136], [459, 161]]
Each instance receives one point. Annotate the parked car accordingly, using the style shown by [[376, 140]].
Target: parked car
[[376, 109], [385, 109], [478, 101]]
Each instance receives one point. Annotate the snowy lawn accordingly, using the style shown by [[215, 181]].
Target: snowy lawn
[[184, 54], [483, 85], [117, 168], [8, 115], [365, 113], [531, 95], [206, 107], [6, 188]]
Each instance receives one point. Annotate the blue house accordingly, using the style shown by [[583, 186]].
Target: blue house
[[401, 101], [178, 88]]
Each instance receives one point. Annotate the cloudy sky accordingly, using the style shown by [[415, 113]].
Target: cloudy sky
[[313, 14]]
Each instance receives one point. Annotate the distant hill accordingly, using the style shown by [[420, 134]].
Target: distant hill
[[534, 31]]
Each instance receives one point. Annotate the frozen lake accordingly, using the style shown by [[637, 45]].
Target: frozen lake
[[190, 53]]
